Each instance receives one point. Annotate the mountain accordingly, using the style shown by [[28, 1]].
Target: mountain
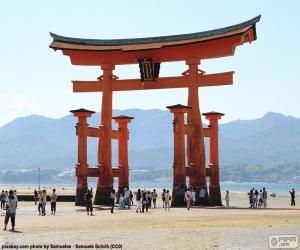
[[37, 141]]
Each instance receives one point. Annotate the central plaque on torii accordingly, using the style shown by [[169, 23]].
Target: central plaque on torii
[[150, 53]]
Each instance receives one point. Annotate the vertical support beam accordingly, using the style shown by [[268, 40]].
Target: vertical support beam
[[214, 188], [123, 150], [179, 175], [82, 165], [105, 181], [195, 141]]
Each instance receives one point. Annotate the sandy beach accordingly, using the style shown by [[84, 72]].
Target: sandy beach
[[236, 227]]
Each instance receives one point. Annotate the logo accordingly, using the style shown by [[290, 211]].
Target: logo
[[283, 241]]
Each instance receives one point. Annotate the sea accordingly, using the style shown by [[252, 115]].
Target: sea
[[234, 187]]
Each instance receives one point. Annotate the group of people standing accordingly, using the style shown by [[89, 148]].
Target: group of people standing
[[40, 197], [258, 198]]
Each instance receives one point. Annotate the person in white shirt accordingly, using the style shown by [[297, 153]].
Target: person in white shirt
[[167, 200], [154, 197], [188, 198], [127, 197], [11, 207], [53, 198]]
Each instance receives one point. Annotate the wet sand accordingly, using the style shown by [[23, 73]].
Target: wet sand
[[236, 227]]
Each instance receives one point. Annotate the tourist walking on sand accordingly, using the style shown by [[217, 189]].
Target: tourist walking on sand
[[163, 197], [138, 201], [154, 197], [131, 197], [293, 197], [202, 195], [227, 198], [11, 206], [35, 196], [53, 199], [88, 197], [144, 201], [265, 197], [251, 198], [44, 202], [121, 202], [112, 200], [40, 203], [188, 198], [167, 200], [2, 199]]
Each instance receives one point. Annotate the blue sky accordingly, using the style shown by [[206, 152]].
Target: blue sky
[[36, 80]]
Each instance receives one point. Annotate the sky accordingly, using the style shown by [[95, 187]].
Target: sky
[[36, 80]]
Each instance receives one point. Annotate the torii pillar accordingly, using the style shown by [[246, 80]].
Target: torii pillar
[[123, 150], [195, 141], [179, 173], [106, 179], [82, 165], [214, 187]]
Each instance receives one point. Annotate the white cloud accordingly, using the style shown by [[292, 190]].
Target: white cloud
[[22, 104]]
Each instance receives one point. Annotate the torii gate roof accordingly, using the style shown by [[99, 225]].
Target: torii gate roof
[[208, 44]]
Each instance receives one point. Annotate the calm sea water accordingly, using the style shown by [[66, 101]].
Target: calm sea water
[[242, 187]]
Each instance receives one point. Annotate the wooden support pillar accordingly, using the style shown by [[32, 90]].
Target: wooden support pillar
[[123, 150], [214, 188], [179, 175], [105, 181], [82, 165], [195, 141]]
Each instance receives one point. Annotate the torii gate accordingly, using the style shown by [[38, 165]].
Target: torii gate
[[149, 53]]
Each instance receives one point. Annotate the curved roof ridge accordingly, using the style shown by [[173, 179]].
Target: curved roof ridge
[[158, 39]]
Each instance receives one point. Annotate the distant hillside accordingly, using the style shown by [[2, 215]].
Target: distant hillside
[[37, 141]]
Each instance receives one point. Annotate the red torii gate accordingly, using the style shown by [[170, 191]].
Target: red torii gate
[[149, 53]]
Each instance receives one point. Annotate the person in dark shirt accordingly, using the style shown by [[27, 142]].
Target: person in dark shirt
[[88, 197], [112, 200], [292, 197]]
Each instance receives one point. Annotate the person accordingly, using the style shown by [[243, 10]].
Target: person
[[112, 200], [227, 198], [138, 201], [131, 198], [260, 200], [167, 200], [149, 198], [44, 201], [265, 197], [144, 201], [88, 197], [193, 194], [35, 196], [16, 196], [254, 199], [251, 197], [154, 197], [2, 198], [11, 206], [163, 197], [188, 196], [293, 197], [40, 202], [127, 198], [202, 194], [53, 199]]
